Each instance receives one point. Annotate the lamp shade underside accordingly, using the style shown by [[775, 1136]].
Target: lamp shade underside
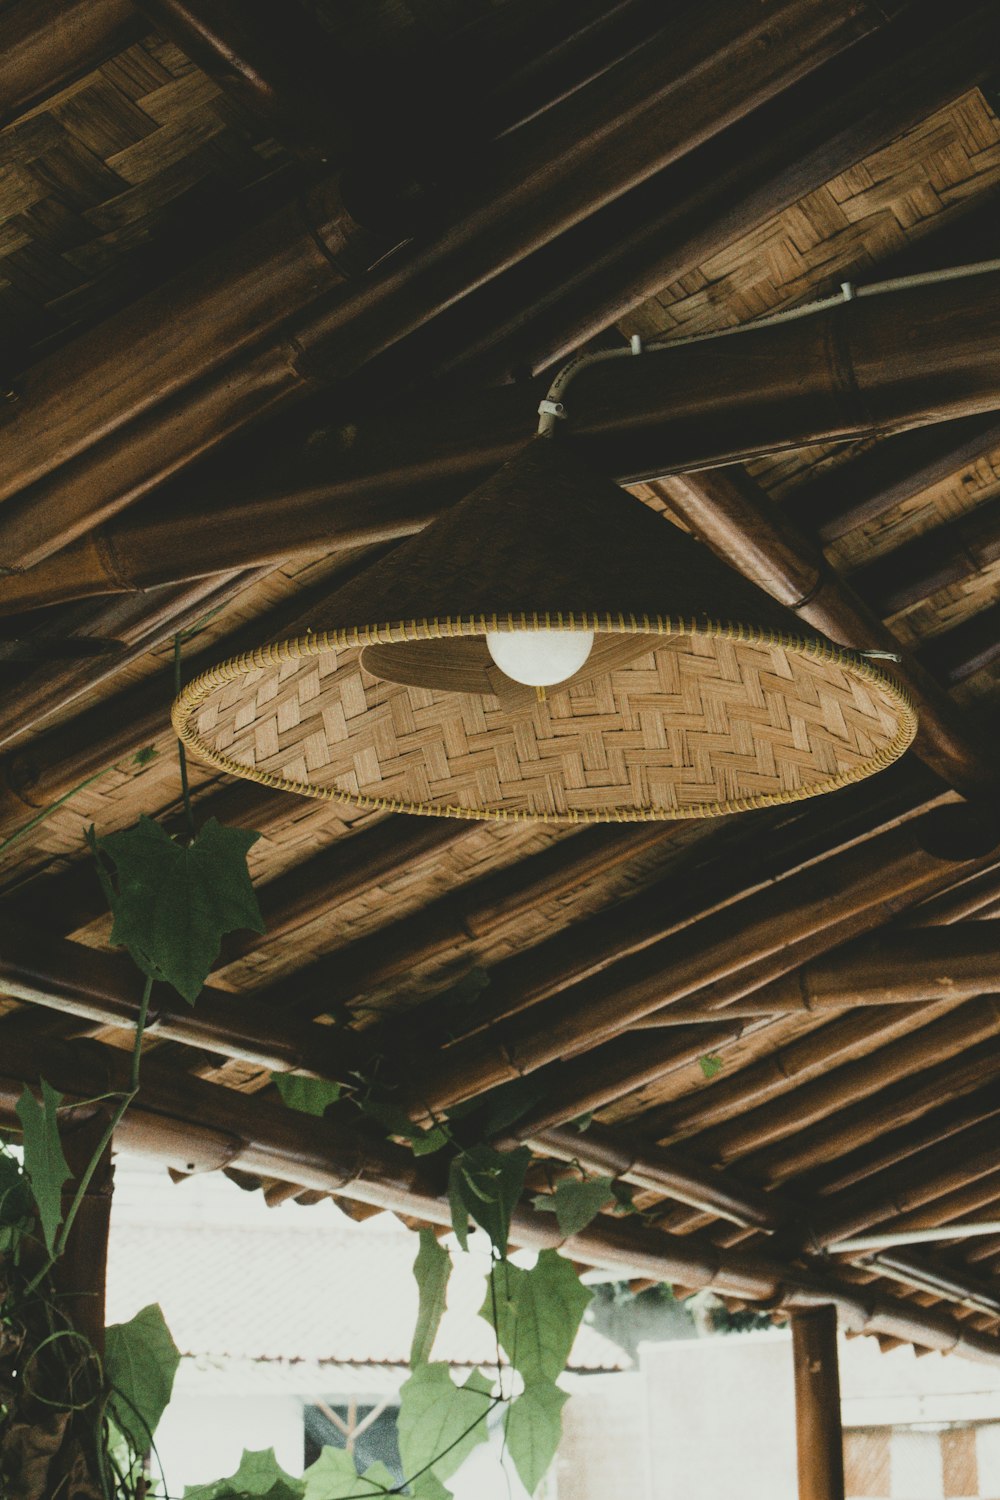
[[697, 724]]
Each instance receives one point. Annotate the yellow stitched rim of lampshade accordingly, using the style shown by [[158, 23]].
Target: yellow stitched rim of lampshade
[[860, 673]]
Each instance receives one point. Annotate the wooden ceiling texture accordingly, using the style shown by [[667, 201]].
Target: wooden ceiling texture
[[278, 283]]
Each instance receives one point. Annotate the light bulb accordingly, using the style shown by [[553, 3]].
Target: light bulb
[[539, 658]]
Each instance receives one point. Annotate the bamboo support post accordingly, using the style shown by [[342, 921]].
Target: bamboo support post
[[818, 1437]]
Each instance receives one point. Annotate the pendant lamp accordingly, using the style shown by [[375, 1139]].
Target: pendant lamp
[[664, 686]]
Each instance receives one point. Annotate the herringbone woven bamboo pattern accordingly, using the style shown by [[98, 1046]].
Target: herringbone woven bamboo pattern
[[702, 724]]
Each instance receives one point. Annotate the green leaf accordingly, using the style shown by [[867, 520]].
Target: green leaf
[[140, 1362], [145, 755], [175, 902], [432, 1269], [576, 1203], [429, 1487], [623, 1195], [487, 1185], [334, 1477], [44, 1162], [507, 1104], [392, 1117], [533, 1425], [16, 1201], [439, 1422], [259, 1475], [429, 1141], [309, 1095], [537, 1314], [711, 1065]]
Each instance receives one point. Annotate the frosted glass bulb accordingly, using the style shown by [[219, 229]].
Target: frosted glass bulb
[[539, 658]]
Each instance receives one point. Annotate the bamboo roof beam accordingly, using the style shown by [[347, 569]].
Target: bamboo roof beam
[[831, 502], [195, 361], [584, 948], [893, 967], [198, 1126], [905, 862], [706, 402], [100, 987]]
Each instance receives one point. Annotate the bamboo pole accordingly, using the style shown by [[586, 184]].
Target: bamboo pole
[[967, 648], [943, 1036], [895, 967], [49, 43], [731, 513], [819, 1440], [674, 409], [944, 556], [195, 1125], [100, 987], [833, 502], [585, 948], [588, 1013], [849, 1132], [928, 1175]]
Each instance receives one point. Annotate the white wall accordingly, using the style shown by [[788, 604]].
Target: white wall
[[721, 1418], [200, 1439]]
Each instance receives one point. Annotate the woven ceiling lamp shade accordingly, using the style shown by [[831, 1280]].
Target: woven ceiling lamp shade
[[700, 695]]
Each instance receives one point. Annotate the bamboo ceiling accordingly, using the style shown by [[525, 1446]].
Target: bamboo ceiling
[[211, 281]]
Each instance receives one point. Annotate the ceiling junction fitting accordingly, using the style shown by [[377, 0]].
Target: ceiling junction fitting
[[686, 691]]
